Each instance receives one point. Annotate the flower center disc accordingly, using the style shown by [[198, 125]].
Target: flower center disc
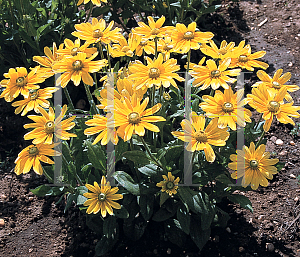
[[188, 35], [223, 51], [170, 185], [134, 118], [155, 31], [74, 51], [200, 137], [20, 82], [276, 84], [49, 127], [154, 73], [77, 65], [33, 150], [97, 33], [215, 74], [33, 96], [273, 106], [254, 164], [101, 197], [227, 107], [243, 58]]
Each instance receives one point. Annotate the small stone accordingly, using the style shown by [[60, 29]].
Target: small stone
[[292, 143], [279, 142], [270, 247], [283, 153], [290, 64], [273, 139], [216, 239], [241, 249], [228, 229], [30, 198], [169, 251], [292, 176], [30, 250], [2, 222], [296, 199]]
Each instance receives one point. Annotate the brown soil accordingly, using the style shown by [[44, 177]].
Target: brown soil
[[38, 227]]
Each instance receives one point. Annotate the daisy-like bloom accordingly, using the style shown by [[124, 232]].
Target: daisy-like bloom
[[131, 117], [124, 48], [165, 46], [157, 72], [31, 156], [218, 53], [97, 32], [270, 104], [100, 126], [186, 38], [102, 198], [253, 165], [200, 138], [146, 46], [227, 107], [95, 2], [277, 82], [242, 57], [211, 75], [36, 99], [46, 126], [75, 48], [47, 61], [78, 67], [18, 81], [169, 184], [154, 30]]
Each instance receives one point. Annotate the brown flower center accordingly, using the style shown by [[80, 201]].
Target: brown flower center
[[74, 51], [215, 74], [273, 106], [243, 58], [170, 185], [188, 35], [227, 107], [154, 73], [77, 65], [97, 33], [155, 31], [20, 81], [33, 95], [102, 197], [223, 51], [276, 85], [200, 136], [33, 151], [134, 118], [254, 164], [49, 127]]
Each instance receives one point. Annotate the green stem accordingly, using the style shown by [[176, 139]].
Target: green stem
[[155, 41], [79, 181], [211, 92], [153, 96], [108, 58], [131, 145], [189, 60], [47, 175], [260, 139], [69, 98], [256, 125], [90, 98], [99, 46], [150, 154], [90, 12]]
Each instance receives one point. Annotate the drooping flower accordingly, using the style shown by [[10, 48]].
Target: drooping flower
[[186, 38], [165, 46], [227, 107], [123, 48], [212, 75], [253, 165], [277, 82], [169, 184], [201, 138], [271, 105], [32, 155], [145, 45], [78, 67], [46, 126], [218, 53], [157, 72], [73, 49], [36, 99], [102, 198], [97, 32], [18, 81], [95, 2], [131, 117]]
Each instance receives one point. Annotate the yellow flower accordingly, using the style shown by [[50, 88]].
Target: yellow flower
[[95, 2], [102, 198], [200, 138], [218, 53], [78, 67], [242, 57], [97, 32], [36, 98], [211, 75], [124, 48], [18, 81], [200, 63], [131, 117], [155, 73], [271, 105], [31, 157], [169, 184], [253, 165], [145, 45], [73, 49], [227, 107], [277, 82], [100, 125], [165, 46], [46, 126], [186, 38]]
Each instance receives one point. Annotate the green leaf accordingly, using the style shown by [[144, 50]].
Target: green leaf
[[95, 223], [173, 152], [149, 170], [106, 244], [127, 182], [279, 166], [137, 156], [121, 147], [242, 200], [44, 190], [162, 214], [146, 205], [199, 236], [163, 197], [135, 229], [121, 213], [174, 232], [109, 226], [183, 217], [96, 156], [224, 179], [98, 11]]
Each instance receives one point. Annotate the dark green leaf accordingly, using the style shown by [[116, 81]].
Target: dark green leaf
[[146, 205], [110, 226], [96, 156], [127, 182], [199, 236], [121, 213], [242, 200], [137, 156], [183, 217]]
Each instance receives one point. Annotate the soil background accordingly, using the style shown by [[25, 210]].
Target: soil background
[[39, 227]]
